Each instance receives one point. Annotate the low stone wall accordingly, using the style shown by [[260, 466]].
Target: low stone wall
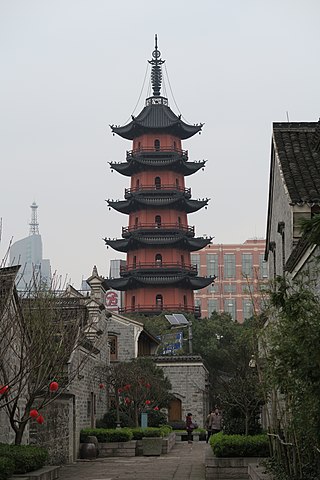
[[167, 444], [183, 437], [45, 473], [255, 472], [118, 449], [228, 468]]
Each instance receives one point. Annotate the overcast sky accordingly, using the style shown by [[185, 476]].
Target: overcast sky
[[69, 68]]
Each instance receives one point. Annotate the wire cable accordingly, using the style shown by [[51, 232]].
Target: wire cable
[[144, 81]]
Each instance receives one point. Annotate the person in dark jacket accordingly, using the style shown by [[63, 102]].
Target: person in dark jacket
[[189, 426]]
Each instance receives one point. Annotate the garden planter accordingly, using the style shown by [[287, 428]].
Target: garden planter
[[152, 446]]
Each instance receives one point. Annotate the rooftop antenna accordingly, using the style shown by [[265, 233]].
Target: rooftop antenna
[[34, 225], [287, 113]]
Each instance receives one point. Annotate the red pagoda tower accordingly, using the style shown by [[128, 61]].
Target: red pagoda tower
[[158, 240]]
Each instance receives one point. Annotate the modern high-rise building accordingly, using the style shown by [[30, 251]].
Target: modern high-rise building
[[241, 275], [158, 240], [27, 253]]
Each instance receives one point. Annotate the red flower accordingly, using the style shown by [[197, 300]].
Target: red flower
[[127, 400], [40, 419], [148, 402], [148, 385], [127, 387], [4, 389], [156, 408], [101, 386], [34, 413], [120, 390], [53, 387]]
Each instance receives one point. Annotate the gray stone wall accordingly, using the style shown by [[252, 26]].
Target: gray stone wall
[[189, 380], [127, 332]]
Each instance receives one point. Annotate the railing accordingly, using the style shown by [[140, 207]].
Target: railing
[[161, 308], [158, 188], [169, 150], [158, 265], [156, 226]]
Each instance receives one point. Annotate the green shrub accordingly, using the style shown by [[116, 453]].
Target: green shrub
[[239, 445], [104, 435], [156, 418], [109, 420], [7, 467], [26, 457], [165, 430]]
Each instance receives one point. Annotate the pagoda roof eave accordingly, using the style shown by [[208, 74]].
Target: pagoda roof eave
[[156, 117], [128, 206], [187, 243], [201, 282], [129, 168]]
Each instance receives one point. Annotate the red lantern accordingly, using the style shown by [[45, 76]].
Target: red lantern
[[53, 387], [40, 419], [156, 408], [120, 390], [101, 386], [4, 389], [127, 400], [34, 413], [148, 402]]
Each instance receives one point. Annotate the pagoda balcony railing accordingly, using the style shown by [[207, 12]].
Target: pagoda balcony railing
[[157, 152], [157, 188], [158, 267], [154, 309], [157, 226]]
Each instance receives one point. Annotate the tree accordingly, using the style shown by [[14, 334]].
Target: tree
[[46, 331], [137, 386]]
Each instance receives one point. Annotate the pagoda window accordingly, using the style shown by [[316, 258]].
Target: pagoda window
[[157, 182], [185, 302], [158, 259], [133, 303], [139, 146], [182, 260], [177, 183], [159, 301], [179, 221], [137, 184], [136, 221], [174, 145], [157, 144], [134, 263], [157, 220]]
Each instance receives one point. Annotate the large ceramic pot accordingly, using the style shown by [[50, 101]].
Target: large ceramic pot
[[88, 451]]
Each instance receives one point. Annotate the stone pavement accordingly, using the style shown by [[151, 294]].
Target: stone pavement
[[184, 462]]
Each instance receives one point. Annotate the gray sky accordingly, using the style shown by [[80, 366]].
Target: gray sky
[[69, 68]]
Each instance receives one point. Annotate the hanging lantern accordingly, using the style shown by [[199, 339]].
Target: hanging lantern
[[40, 419], [34, 413], [101, 386], [53, 387], [148, 402], [156, 408], [4, 389]]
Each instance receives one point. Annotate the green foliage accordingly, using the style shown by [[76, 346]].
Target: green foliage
[[105, 435], [156, 418], [109, 420], [25, 457], [293, 374], [7, 467], [239, 445]]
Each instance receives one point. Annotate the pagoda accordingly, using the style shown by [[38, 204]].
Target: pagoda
[[158, 275]]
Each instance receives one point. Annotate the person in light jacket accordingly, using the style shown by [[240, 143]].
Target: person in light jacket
[[213, 423]]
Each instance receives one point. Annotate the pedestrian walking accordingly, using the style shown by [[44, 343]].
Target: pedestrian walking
[[213, 423], [190, 426]]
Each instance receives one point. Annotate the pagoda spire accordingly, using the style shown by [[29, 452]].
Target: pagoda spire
[[156, 71]]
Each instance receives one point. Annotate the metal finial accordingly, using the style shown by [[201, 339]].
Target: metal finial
[[156, 72]]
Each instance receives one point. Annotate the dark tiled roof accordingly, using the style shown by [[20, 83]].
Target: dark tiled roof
[[297, 145], [156, 117]]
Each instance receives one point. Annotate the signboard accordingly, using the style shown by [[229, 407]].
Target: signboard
[[113, 300], [171, 342]]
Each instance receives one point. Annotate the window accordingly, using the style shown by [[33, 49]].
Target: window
[[212, 306], [182, 260], [212, 264], [158, 259], [136, 221], [137, 184], [177, 183], [195, 259], [174, 145], [159, 301], [213, 288], [133, 303], [157, 182], [134, 263], [157, 144], [179, 221], [263, 267], [185, 301], [247, 269], [247, 308], [230, 307], [113, 345], [230, 288], [157, 220], [229, 265]]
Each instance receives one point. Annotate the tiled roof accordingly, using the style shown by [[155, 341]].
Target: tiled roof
[[298, 149]]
